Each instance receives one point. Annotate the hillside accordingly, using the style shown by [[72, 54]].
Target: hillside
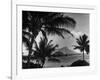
[[64, 51]]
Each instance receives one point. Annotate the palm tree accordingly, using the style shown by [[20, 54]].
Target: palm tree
[[46, 22], [44, 49], [87, 49], [83, 43]]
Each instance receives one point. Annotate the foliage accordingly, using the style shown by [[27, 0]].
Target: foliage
[[80, 63], [83, 44], [46, 22], [44, 49]]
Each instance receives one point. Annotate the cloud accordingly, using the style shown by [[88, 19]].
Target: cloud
[[76, 34]]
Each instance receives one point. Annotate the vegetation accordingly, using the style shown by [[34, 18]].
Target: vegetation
[[87, 49], [80, 63], [83, 44], [47, 23], [44, 49]]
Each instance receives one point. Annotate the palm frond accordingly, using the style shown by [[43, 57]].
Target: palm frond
[[44, 33], [51, 16], [45, 48], [84, 37], [57, 31], [87, 49], [79, 47], [36, 46], [53, 31], [50, 42], [79, 41], [61, 22], [83, 43], [87, 42]]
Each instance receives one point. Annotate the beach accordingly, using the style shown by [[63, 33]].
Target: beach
[[65, 60]]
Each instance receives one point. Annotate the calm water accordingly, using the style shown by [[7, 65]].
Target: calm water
[[65, 60]]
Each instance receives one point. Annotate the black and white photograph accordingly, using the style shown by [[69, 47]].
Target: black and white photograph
[[55, 39]]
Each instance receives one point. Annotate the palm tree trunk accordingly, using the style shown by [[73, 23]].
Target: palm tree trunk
[[83, 56], [43, 62]]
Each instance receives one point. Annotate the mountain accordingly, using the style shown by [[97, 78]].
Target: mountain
[[58, 53], [64, 51]]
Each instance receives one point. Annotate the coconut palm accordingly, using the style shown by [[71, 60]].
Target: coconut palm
[[83, 43], [46, 22], [44, 49]]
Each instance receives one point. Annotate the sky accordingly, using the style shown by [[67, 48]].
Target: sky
[[82, 26]]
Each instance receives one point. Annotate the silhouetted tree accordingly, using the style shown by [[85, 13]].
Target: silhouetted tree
[[44, 49], [47, 23], [83, 44]]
